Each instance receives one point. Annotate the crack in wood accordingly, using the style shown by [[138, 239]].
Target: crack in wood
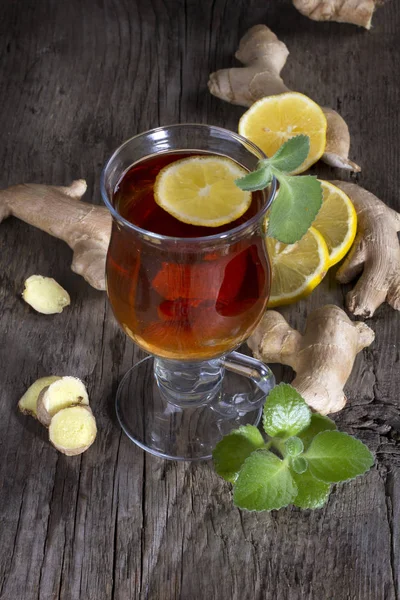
[[47, 530], [388, 483]]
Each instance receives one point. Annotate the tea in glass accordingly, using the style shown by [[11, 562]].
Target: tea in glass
[[192, 305]]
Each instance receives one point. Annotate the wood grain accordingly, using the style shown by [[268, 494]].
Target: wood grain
[[76, 79]]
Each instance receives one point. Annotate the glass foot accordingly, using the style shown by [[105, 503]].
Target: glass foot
[[189, 433]]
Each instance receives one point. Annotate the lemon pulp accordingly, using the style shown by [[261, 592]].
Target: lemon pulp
[[201, 190], [273, 120]]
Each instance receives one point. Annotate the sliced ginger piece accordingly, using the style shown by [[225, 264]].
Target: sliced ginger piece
[[67, 391], [28, 403], [45, 295], [73, 430]]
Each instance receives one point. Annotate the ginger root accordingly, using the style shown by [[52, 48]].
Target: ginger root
[[322, 358], [375, 253], [57, 210], [28, 403], [45, 295], [357, 12], [67, 391], [62, 405], [263, 56], [73, 430]]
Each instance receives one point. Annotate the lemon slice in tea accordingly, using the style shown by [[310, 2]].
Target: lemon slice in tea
[[201, 190], [273, 120]]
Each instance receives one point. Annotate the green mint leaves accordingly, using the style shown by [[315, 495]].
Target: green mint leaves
[[295, 207], [299, 197], [311, 493], [308, 455], [294, 446], [238, 445], [264, 483], [285, 414], [334, 456]]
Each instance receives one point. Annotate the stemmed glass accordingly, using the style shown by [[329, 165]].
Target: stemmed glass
[[189, 302]]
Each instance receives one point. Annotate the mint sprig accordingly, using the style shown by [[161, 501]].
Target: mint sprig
[[297, 463], [311, 493], [298, 199], [335, 456], [238, 446], [264, 483], [285, 414]]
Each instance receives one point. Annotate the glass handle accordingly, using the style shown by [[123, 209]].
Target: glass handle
[[253, 369], [261, 381]]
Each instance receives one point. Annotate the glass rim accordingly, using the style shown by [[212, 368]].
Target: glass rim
[[206, 238]]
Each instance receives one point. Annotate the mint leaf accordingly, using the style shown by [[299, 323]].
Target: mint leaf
[[294, 208], [256, 180], [231, 452], [264, 483], [294, 446], [299, 464], [335, 456], [291, 154], [318, 423], [285, 412], [299, 198], [285, 160], [311, 493]]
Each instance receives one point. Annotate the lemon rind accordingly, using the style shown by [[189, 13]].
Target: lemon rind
[[340, 251]]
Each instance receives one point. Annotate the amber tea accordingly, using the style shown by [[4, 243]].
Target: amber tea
[[192, 303]]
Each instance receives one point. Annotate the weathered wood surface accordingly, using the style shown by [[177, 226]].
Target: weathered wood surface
[[76, 79]]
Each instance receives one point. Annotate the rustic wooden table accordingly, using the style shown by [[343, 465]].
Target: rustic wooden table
[[77, 78]]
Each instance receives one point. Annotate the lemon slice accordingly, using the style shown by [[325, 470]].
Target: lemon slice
[[201, 190], [274, 119], [296, 268], [336, 221]]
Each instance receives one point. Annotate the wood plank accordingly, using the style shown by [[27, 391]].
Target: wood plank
[[76, 80]]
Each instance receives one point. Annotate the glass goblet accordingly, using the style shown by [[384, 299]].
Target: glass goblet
[[188, 300]]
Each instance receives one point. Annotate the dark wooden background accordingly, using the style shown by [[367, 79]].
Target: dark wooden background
[[76, 79]]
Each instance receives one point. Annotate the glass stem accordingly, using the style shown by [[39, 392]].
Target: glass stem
[[188, 384], [191, 384]]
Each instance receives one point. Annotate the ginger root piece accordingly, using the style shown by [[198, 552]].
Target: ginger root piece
[[337, 142], [375, 253], [28, 403], [358, 12], [264, 56], [322, 358], [67, 391], [45, 295], [57, 210], [73, 430]]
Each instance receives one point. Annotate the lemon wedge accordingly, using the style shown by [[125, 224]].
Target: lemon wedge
[[336, 221], [273, 120], [201, 190], [296, 268]]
